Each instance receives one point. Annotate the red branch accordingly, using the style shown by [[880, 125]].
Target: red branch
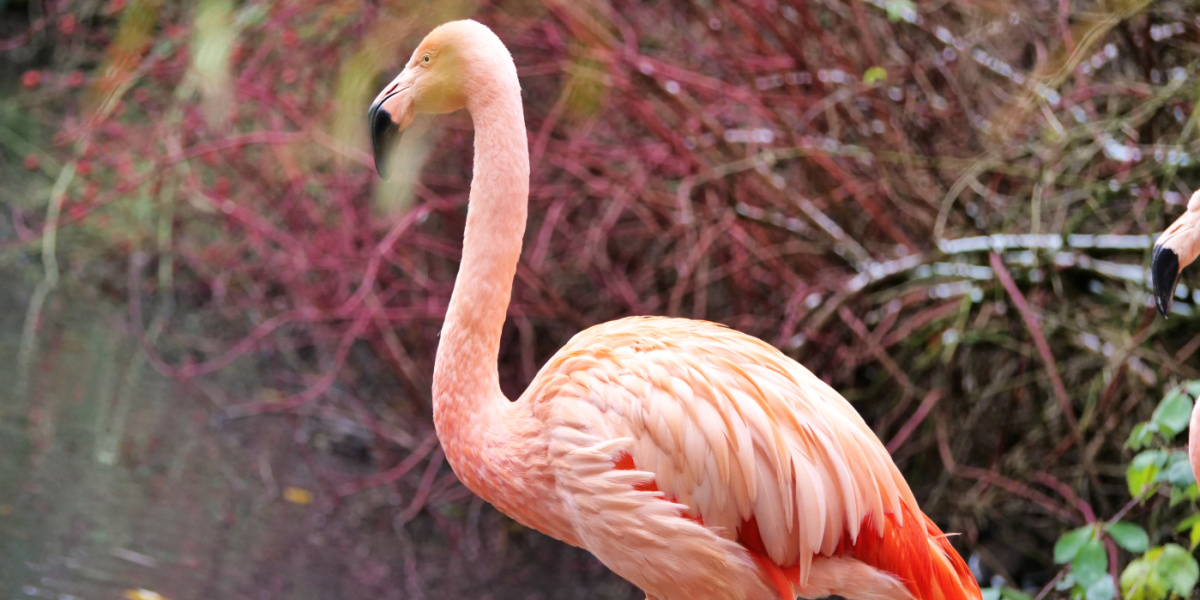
[[1039, 340]]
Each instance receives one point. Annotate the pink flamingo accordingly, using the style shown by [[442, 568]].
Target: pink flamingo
[[1175, 249], [693, 460]]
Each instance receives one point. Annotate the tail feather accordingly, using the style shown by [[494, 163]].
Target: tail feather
[[917, 553]]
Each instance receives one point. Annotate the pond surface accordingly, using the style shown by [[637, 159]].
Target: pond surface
[[116, 482]]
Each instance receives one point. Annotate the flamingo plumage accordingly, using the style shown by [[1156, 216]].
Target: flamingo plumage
[[691, 459], [1175, 249]]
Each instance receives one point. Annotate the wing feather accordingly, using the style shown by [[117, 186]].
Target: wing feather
[[730, 428]]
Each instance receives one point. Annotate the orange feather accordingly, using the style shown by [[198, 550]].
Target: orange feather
[[917, 553], [624, 462]]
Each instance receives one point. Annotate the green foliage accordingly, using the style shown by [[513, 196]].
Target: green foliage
[[1160, 572], [1084, 550], [1163, 572], [1170, 418], [1071, 543], [1176, 470], [876, 74], [900, 9], [1102, 589], [1004, 593], [1129, 536], [1091, 564], [1143, 471], [1192, 526], [1172, 413]]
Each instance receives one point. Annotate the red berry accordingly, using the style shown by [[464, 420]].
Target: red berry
[[76, 78], [32, 162], [31, 79]]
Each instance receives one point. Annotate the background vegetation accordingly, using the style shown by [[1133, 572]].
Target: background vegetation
[[943, 209]]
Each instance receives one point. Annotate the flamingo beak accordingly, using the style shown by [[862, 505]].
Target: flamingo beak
[[1175, 249], [385, 134], [1164, 274]]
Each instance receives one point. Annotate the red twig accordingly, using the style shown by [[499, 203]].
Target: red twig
[[423, 491], [1066, 492], [392, 474], [993, 478], [1039, 340], [918, 417]]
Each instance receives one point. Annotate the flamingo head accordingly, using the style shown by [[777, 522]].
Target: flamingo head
[[1175, 249], [434, 81]]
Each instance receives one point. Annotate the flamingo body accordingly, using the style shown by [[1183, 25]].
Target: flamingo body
[[695, 461], [736, 454]]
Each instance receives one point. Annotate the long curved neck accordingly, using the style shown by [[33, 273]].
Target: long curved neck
[[467, 400]]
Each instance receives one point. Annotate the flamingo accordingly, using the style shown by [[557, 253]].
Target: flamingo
[[693, 460], [1175, 249]]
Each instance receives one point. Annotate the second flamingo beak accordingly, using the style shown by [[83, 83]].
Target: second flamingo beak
[[385, 133], [1175, 249], [1164, 275]]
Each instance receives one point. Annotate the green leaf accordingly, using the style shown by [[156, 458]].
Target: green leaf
[[900, 9], [1104, 589], [1192, 388], [991, 593], [1143, 469], [1172, 413], [1177, 471], [1068, 546], [1192, 526], [875, 74], [1179, 569], [1141, 436], [1187, 494], [1012, 594], [1065, 583], [1187, 523], [1161, 573], [1139, 581], [1129, 536], [1090, 564]]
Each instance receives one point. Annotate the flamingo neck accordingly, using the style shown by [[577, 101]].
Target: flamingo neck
[[469, 410]]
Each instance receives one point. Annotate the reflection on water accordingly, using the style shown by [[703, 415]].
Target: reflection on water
[[113, 480], [116, 483]]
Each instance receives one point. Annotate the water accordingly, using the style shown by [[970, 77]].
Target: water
[[117, 483]]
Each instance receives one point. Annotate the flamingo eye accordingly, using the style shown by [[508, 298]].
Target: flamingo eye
[[425, 58]]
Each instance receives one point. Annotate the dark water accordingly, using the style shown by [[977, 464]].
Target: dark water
[[116, 482]]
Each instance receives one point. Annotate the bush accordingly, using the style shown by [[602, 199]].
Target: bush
[[941, 210]]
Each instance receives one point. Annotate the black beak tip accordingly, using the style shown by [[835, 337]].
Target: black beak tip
[[1164, 275], [384, 133]]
